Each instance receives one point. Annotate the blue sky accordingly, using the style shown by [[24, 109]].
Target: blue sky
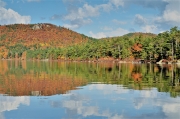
[[95, 18]]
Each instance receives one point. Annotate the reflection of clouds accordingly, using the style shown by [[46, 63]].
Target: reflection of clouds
[[1, 116], [117, 117], [81, 107], [108, 89], [145, 97], [76, 104], [71, 104], [88, 111], [8, 103], [149, 93], [139, 104], [117, 98], [170, 107]]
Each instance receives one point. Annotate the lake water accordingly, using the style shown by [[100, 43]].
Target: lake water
[[64, 90]]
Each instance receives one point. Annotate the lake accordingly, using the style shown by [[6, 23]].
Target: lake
[[74, 90]]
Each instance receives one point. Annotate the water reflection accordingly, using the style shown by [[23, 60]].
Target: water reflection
[[49, 78], [88, 90], [115, 102], [8, 103]]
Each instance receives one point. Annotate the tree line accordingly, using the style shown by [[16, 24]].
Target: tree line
[[165, 45]]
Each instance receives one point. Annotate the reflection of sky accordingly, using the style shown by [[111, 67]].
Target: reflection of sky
[[113, 102], [98, 101], [8, 103]]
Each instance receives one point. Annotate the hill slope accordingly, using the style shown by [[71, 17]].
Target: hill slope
[[39, 35], [47, 41], [133, 36]]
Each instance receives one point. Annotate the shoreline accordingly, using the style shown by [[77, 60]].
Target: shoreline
[[99, 61]]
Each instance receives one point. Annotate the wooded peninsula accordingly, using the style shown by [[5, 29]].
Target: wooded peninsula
[[50, 42]]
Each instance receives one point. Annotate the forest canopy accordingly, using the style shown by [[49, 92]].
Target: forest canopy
[[132, 46]]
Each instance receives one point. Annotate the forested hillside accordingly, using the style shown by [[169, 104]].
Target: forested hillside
[[18, 38], [47, 41], [133, 46]]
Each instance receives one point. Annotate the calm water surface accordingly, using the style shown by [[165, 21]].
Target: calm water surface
[[62, 90]]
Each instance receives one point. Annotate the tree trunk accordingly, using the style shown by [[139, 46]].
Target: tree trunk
[[172, 51]]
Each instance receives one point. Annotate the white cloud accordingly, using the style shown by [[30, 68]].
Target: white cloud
[[117, 32], [168, 16], [106, 28], [146, 25], [106, 7], [118, 22], [150, 29], [77, 23], [97, 35], [33, 0], [75, 26], [171, 14], [84, 12], [71, 1], [2, 4], [113, 32], [9, 16], [80, 16], [55, 16], [154, 4], [139, 20], [117, 3]]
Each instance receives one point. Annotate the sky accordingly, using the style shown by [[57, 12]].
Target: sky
[[95, 18]]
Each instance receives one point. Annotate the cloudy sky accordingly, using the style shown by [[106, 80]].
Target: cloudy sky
[[96, 18]]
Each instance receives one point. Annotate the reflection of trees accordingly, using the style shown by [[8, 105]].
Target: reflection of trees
[[36, 80], [40, 86], [60, 77]]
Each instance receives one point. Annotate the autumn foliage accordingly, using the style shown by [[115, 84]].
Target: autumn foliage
[[37, 35]]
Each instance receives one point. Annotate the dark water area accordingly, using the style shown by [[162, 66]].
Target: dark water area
[[74, 90]]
